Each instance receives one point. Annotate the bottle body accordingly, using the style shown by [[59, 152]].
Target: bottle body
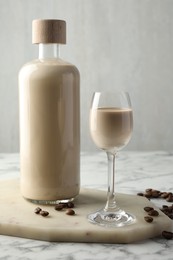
[[49, 130]]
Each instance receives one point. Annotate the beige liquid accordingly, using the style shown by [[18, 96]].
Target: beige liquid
[[49, 130], [111, 127]]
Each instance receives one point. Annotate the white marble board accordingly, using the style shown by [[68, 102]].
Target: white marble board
[[17, 218]]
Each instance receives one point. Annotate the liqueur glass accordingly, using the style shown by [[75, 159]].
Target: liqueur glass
[[111, 124]]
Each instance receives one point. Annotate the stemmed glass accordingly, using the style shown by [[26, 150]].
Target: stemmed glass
[[111, 124]]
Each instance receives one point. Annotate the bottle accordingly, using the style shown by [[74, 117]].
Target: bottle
[[49, 120]]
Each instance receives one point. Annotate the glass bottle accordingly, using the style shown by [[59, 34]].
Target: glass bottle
[[49, 120]]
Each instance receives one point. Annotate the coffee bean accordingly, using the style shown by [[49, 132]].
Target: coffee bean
[[167, 234], [148, 194], [169, 210], [155, 194], [148, 219], [44, 213], [148, 190], [170, 215], [37, 210], [140, 194], [59, 207], [147, 209], [169, 198], [153, 213], [164, 195], [64, 204], [157, 191], [70, 212], [70, 205], [165, 206]]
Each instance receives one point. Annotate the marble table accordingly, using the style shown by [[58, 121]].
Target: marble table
[[136, 171]]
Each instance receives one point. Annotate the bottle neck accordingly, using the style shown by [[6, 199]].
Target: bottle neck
[[48, 51]]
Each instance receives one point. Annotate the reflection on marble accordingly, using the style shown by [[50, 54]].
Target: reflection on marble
[[136, 171]]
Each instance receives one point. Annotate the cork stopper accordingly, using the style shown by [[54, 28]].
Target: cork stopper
[[48, 31]]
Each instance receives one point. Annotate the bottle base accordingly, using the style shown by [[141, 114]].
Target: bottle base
[[49, 202]]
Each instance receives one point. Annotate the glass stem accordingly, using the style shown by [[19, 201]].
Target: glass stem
[[111, 202]]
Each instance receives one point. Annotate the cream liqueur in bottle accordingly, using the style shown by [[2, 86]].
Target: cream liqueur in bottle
[[49, 119]]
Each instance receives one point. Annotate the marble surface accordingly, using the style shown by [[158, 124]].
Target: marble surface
[[136, 171]]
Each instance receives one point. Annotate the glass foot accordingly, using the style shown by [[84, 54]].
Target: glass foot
[[111, 219]]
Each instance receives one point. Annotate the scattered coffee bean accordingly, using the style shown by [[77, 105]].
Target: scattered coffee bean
[[147, 209], [70, 212], [153, 213], [148, 219], [167, 210], [169, 198], [67, 204], [70, 205], [64, 204], [147, 196], [164, 195], [37, 210], [167, 234], [152, 193], [170, 216], [156, 191], [165, 207], [59, 207], [44, 213], [155, 194], [140, 194], [148, 190]]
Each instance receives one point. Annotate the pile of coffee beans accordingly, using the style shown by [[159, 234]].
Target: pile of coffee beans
[[60, 206], [153, 194], [167, 210]]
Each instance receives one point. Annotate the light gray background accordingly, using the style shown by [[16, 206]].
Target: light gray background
[[116, 44]]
